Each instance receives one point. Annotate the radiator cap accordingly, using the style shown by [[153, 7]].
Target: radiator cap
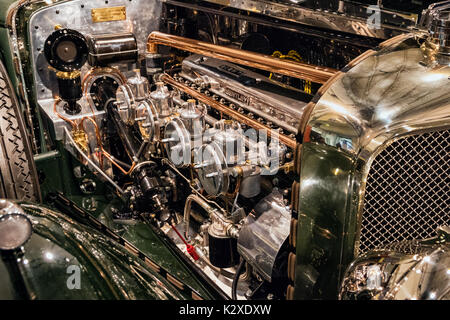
[[15, 227]]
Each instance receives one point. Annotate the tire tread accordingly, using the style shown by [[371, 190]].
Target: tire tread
[[15, 172]]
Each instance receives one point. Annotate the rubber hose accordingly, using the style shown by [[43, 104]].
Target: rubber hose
[[236, 279]]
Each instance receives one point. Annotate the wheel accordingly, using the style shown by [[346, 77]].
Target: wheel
[[18, 177]]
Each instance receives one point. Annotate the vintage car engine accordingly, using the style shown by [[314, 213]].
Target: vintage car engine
[[209, 134], [192, 117]]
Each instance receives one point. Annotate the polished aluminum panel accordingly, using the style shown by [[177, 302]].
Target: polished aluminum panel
[[264, 232], [249, 90], [348, 17], [407, 194], [142, 17]]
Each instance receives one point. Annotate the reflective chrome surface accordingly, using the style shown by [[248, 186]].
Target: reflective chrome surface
[[15, 230], [437, 20], [241, 118], [348, 17], [77, 15], [409, 270], [264, 232], [389, 94], [262, 97], [213, 174], [177, 142], [9, 207], [385, 97]]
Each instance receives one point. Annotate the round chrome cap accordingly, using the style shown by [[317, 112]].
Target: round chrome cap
[[15, 230]]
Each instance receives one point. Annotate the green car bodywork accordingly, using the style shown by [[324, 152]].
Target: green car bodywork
[[106, 269]]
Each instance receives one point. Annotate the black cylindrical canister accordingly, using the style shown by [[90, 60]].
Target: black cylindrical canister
[[105, 49], [69, 85], [147, 181], [223, 251]]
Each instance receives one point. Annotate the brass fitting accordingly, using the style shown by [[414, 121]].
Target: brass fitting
[[68, 75], [81, 139]]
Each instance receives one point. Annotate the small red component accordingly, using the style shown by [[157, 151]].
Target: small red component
[[190, 248]]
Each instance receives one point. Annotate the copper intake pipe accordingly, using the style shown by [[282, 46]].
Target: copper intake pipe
[[251, 59], [291, 143]]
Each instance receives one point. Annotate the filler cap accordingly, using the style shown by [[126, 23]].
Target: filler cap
[[66, 50], [15, 227], [437, 20]]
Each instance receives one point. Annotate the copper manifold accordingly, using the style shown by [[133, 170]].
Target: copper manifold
[[251, 59], [289, 142]]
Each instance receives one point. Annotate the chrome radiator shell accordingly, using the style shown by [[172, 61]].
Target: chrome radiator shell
[[386, 94]]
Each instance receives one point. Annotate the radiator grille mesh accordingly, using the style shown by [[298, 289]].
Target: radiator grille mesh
[[407, 192]]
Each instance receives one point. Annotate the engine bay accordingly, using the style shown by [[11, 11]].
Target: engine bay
[[191, 119]]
